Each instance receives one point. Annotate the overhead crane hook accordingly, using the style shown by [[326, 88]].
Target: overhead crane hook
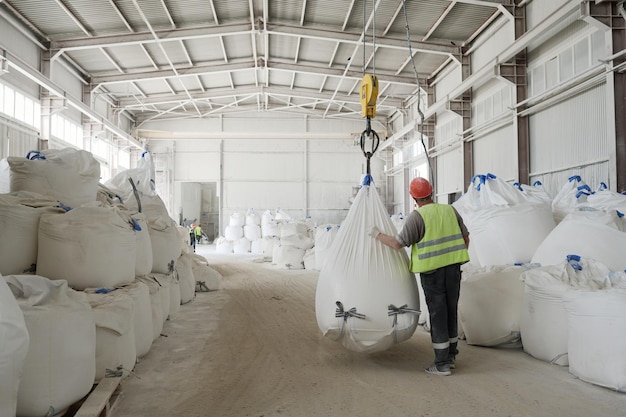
[[369, 94]]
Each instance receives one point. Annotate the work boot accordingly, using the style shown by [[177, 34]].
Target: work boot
[[442, 370]]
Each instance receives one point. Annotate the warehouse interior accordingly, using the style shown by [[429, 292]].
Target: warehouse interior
[[286, 130]]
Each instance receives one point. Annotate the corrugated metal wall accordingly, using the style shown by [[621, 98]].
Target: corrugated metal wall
[[571, 138]]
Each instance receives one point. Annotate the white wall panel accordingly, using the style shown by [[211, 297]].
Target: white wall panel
[[448, 82], [27, 51], [496, 153], [449, 173], [493, 43], [67, 81], [242, 166], [570, 135], [538, 10], [196, 166]]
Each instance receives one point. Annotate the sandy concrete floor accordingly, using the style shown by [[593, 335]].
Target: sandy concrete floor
[[254, 349]]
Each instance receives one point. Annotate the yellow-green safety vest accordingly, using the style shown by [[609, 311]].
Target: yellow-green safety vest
[[442, 244]]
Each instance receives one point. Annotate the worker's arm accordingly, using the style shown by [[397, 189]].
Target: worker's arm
[[388, 240], [466, 239]]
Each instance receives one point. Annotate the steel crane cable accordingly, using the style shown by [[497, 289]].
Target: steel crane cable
[[419, 90]]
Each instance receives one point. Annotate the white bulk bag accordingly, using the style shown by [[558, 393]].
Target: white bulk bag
[[571, 195], [597, 336], [13, 349], [164, 281], [19, 227], [155, 305], [223, 245], [591, 234], [174, 295], [266, 217], [299, 241], [252, 232], [293, 229], [288, 257], [204, 273], [115, 333], [268, 244], [89, 246], [366, 297], [506, 226], [270, 229], [256, 247], [166, 246], [252, 218], [543, 324], [142, 315], [68, 175], [237, 220], [144, 259], [143, 177], [241, 246], [233, 232], [309, 259], [490, 305], [324, 236], [60, 366], [186, 279]]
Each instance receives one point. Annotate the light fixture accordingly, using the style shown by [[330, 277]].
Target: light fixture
[[4, 66]]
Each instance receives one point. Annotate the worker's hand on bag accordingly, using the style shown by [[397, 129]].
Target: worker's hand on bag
[[374, 232]]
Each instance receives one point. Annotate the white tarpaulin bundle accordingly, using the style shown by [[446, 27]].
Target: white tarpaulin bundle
[[115, 332], [61, 362], [68, 175], [597, 330], [14, 347], [89, 247], [490, 305], [366, 297], [506, 224], [543, 324]]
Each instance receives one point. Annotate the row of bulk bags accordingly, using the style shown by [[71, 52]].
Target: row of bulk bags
[[68, 175], [204, 273], [543, 324], [506, 225], [366, 297], [56, 374], [14, 344], [20, 213]]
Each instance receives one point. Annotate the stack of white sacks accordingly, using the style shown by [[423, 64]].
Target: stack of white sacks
[[547, 274], [88, 276]]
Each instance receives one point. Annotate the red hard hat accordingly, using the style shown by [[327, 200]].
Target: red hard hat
[[420, 188]]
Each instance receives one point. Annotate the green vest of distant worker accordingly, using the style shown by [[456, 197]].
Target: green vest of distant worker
[[198, 231], [442, 244]]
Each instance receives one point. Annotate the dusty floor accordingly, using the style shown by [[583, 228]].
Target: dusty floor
[[254, 349]]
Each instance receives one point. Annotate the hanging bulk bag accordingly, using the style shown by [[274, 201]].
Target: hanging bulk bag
[[366, 297]]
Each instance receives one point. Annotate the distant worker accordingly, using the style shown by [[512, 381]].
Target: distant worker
[[198, 232], [192, 236], [440, 243]]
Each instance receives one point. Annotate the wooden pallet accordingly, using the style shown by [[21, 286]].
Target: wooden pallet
[[102, 399]]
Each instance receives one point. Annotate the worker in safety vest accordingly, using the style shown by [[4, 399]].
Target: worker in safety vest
[[440, 243], [198, 232], [192, 236]]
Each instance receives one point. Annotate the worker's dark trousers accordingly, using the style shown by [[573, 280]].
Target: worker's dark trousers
[[441, 290]]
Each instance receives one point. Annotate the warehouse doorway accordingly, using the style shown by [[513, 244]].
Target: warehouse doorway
[[200, 204]]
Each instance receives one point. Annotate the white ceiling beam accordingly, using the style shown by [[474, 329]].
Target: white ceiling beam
[[440, 19], [283, 65], [330, 35]]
